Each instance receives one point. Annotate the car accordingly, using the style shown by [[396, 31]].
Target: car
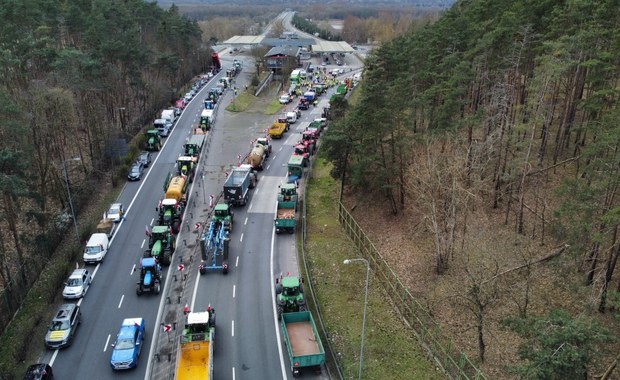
[[77, 284], [209, 75], [187, 98], [192, 92], [115, 212], [39, 371], [128, 344], [339, 62], [145, 158], [61, 330], [323, 63], [284, 99], [135, 172]]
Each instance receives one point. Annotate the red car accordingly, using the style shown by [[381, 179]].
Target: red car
[[180, 104]]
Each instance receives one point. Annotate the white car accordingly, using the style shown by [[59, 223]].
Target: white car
[[115, 212], [284, 99], [77, 284]]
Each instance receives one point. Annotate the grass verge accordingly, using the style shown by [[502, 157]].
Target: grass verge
[[391, 351], [273, 107], [241, 102]]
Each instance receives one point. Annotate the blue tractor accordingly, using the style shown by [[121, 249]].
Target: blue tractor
[[150, 276]]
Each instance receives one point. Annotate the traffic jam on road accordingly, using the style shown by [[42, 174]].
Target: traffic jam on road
[[193, 345]]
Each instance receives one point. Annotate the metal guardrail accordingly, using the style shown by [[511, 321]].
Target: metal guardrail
[[453, 362]]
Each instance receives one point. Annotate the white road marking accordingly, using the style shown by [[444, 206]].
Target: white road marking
[[237, 262], [152, 220], [275, 155], [241, 238], [234, 290], [268, 166], [133, 269], [232, 328], [278, 151], [80, 301], [92, 277], [233, 372], [121, 302], [251, 204], [246, 221], [53, 357], [107, 341], [142, 245]]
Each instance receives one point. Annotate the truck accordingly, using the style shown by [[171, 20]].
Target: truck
[[195, 354], [194, 144], [207, 118], [163, 127], [214, 245], [285, 216], [217, 65], [161, 244], [168, 114], [277, 130], [170, 213], [291, 117], [153, 141], [295, 169], [186, 166], [237, 186], [289, 295], [303, 343], [150, 276], [309, 96], [257, 157]]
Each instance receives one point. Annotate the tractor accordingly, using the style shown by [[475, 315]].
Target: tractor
[[223, 214], [150, 276], [161, 244], [171, 214], [303, 151], [287, 193], [308, 139], [153, 141], [290, 295]]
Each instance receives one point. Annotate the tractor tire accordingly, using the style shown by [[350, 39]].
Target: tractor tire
[[139, 290], [176, 227], [291, 230], [280, 310], [224, 270], [303, 307], [166, 258], [146, 254], [301, 288], [157, 288], [202, 270], [279, 289], [277, 231]]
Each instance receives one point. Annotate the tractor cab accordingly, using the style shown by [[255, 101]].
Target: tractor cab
[[223, 214], [153, 141], [186, 165], [169, 211], [301, 150], [266, 142], [150, 276], [290, 295], [209, 104], [288, 193]]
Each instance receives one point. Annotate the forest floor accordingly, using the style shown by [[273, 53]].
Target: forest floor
[[491, 248]]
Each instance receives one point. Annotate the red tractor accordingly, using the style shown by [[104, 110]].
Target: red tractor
[[308, 139], [304, 151]]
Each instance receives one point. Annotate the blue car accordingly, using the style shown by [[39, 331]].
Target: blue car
[[128, 344]]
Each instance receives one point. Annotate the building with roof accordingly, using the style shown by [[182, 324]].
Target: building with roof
[[280, 57]]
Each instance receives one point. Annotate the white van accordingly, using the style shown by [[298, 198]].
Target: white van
[[96, 248], [291, 117]]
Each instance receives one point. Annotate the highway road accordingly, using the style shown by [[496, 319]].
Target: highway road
[[248, 344]]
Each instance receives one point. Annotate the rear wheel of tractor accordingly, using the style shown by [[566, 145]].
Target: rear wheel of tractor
[[157, 288], [280, 311], [146, 254], [301, 288], [291, 230], [225, 270], [166, 258], [277, 231], [303, 307], [176, 227], [139, 290], [202, 270]]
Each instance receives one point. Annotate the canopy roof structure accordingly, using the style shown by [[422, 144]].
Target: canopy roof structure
[[332, 47]]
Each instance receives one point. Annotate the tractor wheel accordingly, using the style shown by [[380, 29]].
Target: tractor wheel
[[291, 230], [280, 311], [225, 270], [277, 231], [146, 254], [166, 258], [303, 307], [176, 227], [301, 288], [157, 288], [139, 290], [202, 270], [279, 289]]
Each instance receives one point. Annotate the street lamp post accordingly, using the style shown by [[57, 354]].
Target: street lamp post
[[349, 261], [64, 166]]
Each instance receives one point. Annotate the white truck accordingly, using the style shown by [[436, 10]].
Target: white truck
[[291, 117], [168, 114]]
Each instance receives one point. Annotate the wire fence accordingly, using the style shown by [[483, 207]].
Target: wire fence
[[453, 362]]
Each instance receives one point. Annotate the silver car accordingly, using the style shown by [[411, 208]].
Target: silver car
[[62, 329], [115, 212], [77, 284]]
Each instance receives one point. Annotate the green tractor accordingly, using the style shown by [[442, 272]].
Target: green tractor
[[290, 295], [161, 244], [170, 214], [223, 214], [153, 141], [288, 193]]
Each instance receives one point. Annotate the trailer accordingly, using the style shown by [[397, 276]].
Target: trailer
[[195, 355], [303, 343], [214, 248], [237, 186]]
